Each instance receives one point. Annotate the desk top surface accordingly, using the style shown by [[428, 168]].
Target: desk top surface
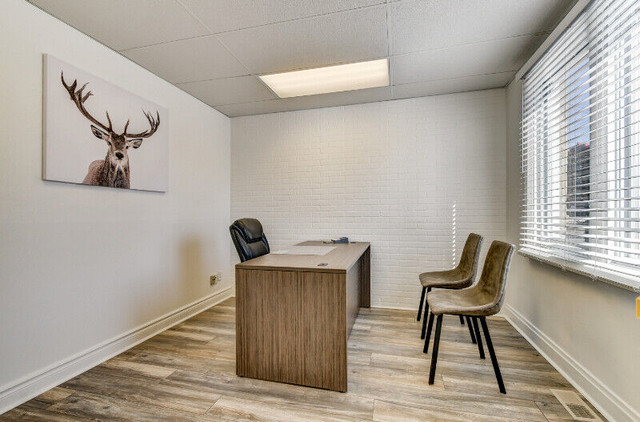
[[338, 260]]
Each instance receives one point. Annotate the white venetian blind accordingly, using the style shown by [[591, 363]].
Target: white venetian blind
[[581, 146]]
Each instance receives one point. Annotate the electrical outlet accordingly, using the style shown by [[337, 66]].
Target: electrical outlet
[[213, 279]]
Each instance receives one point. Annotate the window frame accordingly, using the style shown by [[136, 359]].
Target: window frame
[[536, 163]]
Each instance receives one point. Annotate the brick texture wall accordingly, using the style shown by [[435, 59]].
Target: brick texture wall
[[413, 177]]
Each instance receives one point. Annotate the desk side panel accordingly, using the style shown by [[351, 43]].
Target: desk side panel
[[324, 330], [365, 279], [354, 280], [267, 325]]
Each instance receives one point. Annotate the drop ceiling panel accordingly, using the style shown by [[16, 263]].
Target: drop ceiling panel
[[466, 60], [320, 41], [123, 24], [241, 89], [240, 14], [303, 103], [421, 25], [196, 59], [445, 86], [214, 49]]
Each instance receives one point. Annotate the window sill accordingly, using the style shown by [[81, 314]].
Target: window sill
[[614, 279]]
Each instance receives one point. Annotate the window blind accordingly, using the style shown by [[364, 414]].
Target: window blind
[[581, 146]]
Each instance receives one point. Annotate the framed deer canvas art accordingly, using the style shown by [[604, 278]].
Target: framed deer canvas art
[[96, 133]]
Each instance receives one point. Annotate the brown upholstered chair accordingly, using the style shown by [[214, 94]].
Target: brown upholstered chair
[[460, 277], [479, 301]]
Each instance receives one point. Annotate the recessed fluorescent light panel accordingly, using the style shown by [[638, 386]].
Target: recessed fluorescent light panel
[[323, 80]]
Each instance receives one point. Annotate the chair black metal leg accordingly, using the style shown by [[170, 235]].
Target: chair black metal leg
[[461, 320], [426, 312], [424, 290], [492, 353], [473, 336], [478, 338], [436, 346], [428, 339]]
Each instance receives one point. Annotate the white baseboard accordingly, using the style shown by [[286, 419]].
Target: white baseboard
[[37, 383], [606, 401]]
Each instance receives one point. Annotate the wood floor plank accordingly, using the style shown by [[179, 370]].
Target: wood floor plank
[[54, 395], [273, 392], [162, 393], [393, 412], [142, 368], [103, 407], [41, 415], [187, 362], [188, 373], [234, 408], [189, 335]]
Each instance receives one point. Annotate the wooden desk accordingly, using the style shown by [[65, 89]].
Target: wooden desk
[[293, 317]]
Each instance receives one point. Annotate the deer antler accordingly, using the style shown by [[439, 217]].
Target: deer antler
[[79, 98], [154, 122]]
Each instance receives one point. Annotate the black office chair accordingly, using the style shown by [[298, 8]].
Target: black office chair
[[249, 239]]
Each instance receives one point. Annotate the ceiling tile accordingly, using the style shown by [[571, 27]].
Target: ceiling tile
[[309, 102], [259, 107], [247, 13], [466, 60], [123, 24], [329, 39], [446, 86], [241, 89], [343, 98], [196, 59], [421, 25]]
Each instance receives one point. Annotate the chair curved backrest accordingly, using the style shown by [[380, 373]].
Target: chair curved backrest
[[248, 238], [468, 265], [493, 280]]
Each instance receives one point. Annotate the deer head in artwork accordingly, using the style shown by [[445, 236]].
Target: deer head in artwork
[[114, 169]]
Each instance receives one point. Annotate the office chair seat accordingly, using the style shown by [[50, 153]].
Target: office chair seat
[[476, 302]]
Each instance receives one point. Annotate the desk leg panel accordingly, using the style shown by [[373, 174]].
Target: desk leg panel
[[324, 336], [267, 325], [365, 279]]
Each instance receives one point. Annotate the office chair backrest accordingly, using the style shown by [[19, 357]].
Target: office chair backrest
[[249, 239], [493, 280], [468, 265]]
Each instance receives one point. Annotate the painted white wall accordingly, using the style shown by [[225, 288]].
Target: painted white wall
[[80, 265], [587, 328], [413, 177]]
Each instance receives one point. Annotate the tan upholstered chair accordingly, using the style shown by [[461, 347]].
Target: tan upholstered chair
[[460, 277], [479, 301]]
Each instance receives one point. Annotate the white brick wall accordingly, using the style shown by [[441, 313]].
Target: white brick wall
[[413, 177]]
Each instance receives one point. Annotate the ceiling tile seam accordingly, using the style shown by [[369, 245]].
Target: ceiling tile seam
[[212, 32], [292, 99], [389, 46], [356, 103], [142, 47], [246, 67], [277, 97], [125, 57], [503, 72], [319, 15], [213, 79], [197, 21], [286, 71], [457, 77], [194, 16], [533, 34]]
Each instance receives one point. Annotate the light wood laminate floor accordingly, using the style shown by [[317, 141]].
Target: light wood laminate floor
[[188, 373]]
